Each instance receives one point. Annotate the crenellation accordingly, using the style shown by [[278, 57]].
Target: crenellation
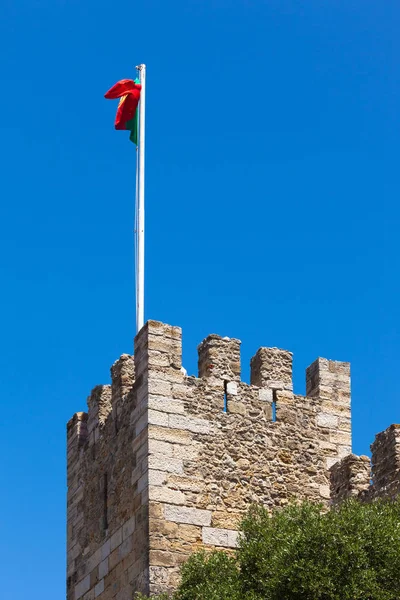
[[329, 379], [328, 382], [368, 480], [219, 358], [99, 407], [386, 462], [158, 346], [122, 381], [122, 377], [165, 464], [272, 368], [77, 431], [350, 478]]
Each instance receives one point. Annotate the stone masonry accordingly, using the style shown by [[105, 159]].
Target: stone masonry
[[164, 464], [358, 477]]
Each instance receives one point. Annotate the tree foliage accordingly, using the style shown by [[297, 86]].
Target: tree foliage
[[302, 553]]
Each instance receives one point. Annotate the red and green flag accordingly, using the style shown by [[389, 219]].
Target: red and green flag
[[127, 115]]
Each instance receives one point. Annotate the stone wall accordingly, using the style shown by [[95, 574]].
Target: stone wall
[[107, 534], [350, 478], [164, 464], [360, 477]]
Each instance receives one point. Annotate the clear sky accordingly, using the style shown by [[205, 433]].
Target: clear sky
[[272, 213]]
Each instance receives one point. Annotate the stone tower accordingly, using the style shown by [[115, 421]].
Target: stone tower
[[163, 464]]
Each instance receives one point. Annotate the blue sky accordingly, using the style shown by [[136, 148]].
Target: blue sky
[[272, 213]]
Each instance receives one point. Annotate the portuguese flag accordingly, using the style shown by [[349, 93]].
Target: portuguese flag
[[127, 116]]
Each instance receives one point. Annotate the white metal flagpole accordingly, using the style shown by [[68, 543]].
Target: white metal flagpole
[[140, 204]]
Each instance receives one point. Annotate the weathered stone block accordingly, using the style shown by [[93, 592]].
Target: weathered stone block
[[103, 568], [94, 560], [155, 417], [191, 424], [128, 528], [220, 537], [99, 588], [166, 559], [160, 447], [125, 547], [168, 405], [82, 587], [327, 420], [232, 388], [174, 436], [158, 387], [164, 494], [105, 549], [191, 516], [165, 463], [265, 394], [89, 595], [236, 408], [116, 539], [156, 477]]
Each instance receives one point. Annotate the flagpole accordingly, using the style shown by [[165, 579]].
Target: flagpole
[[140, 204]]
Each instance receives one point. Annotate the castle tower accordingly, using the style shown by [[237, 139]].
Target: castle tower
[[164, 464]]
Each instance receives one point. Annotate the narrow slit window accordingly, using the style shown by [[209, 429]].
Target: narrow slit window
[[225, 409], [105, 502], [273, 406]]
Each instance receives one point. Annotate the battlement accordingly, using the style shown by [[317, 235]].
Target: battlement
[[163, 463], [360, 477]]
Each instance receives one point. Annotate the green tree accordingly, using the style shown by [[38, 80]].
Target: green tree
[[349, 553], [210, 577], [302, 553]]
